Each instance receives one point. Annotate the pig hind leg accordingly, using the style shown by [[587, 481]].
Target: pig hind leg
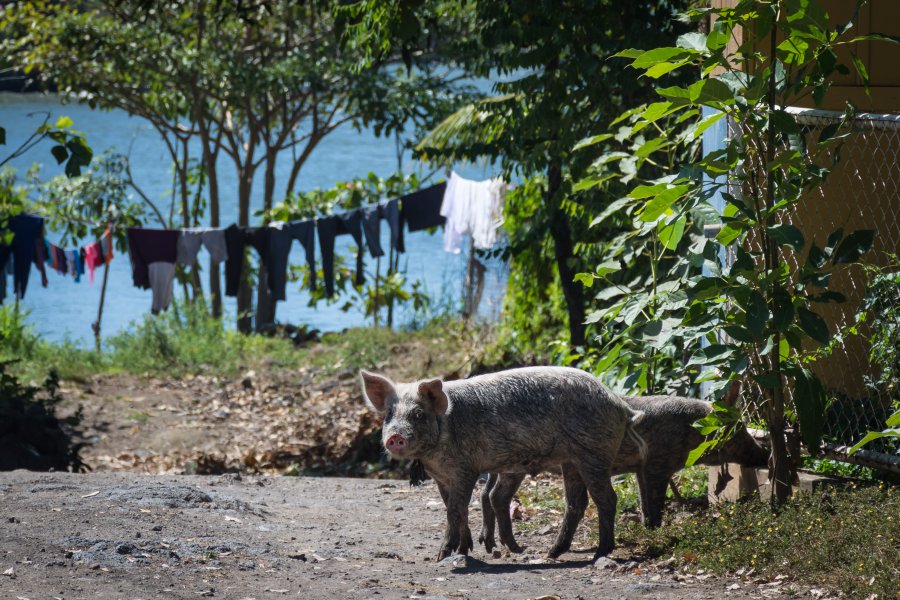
[[598, 480], [652, 485], [576, 504], [486, 536], [501, 497]]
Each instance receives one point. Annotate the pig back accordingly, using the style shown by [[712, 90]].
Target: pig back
[[525, 420], [667, 428]]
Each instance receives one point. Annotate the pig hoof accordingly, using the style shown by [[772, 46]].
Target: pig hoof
[[488, 541], [514, 547]]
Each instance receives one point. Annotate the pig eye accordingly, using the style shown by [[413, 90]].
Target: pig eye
[[419, 414]]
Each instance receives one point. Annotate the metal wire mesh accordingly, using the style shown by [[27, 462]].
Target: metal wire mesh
[[862, 192]]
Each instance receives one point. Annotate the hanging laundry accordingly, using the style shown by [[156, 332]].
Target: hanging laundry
[[147, 247], [93, 258], [26, 230], [422, 209], [236, 239], [40, 256], [331, 227], [472, 208], [56, 258], [162, 277], [75, 264], [281, 236], [106, 246], [392, 214], [371, 225], [191, 239]]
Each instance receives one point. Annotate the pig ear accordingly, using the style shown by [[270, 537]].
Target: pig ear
[[434, 391], [376, 389], [730, 398]]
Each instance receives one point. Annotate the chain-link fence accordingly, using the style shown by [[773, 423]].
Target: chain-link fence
[[862, 192]]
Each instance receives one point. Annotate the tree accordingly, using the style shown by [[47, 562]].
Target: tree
[[558, 85], [756, 316], [251, 83]]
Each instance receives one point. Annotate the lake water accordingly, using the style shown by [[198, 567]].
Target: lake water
[[65, 309]]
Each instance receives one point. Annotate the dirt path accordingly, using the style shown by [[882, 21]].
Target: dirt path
[[117, 535]]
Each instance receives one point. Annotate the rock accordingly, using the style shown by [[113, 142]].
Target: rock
[[605, 562]]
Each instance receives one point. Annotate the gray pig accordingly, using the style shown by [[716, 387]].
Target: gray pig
[[667, 428], [515, 421]]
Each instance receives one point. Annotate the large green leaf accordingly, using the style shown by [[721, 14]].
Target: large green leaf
[[672, 233], [811, 402], [813, 325], [787, 235], [782, 309], [853, 246]]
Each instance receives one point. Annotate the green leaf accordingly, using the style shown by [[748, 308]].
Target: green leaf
[[714, 353], [853, 246], [660, 69], [672, 233], [711, 92], [811, 403], [757, 313], [587, 279], [788, 235], [813, 325], [63, 122], [662, 202], [863, 72], [659, 55], [590, 141], [875, 435], [697, 452], [692, 41], [605, 268], [60, 153], [782, 309]]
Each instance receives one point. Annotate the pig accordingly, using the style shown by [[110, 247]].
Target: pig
[[515, 421], [670, 436]]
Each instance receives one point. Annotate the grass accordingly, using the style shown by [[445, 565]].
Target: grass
[[189, 341], [847, 538]]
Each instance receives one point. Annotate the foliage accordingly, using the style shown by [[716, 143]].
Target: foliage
[[189, 340], [31, 436], [549, 61], [253, 83], [534, 313], [755, 318], [845, 539], [84, 206]]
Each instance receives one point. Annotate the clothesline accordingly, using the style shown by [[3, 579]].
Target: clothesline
[[466, 207]]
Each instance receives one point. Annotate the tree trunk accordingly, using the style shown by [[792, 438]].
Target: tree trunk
[[244, 298], [565, 257], [781, 467], [266, 305]]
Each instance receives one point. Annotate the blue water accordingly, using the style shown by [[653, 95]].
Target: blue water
[[65, 310]]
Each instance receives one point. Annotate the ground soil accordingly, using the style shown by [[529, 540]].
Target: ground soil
[[147, 523], [120, 535]]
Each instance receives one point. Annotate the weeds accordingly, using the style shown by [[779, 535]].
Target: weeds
[[845, 538]]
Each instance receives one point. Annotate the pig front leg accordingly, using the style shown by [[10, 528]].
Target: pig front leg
[[576, 504], [457, 536]]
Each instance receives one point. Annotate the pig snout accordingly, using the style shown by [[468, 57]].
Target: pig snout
[[395, 444]]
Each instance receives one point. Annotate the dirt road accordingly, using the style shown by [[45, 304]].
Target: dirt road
[[118, 535]]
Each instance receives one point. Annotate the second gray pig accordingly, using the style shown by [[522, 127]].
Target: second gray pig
[[667, 428], [520, 420]]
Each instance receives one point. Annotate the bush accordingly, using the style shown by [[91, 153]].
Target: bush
[[31, 437], [186, 339]]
